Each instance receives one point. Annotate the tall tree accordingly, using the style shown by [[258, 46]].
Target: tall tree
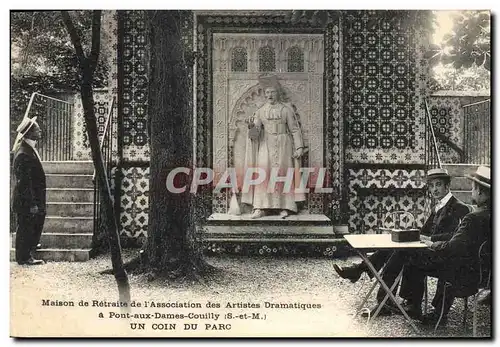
[[468, 44], [43, 59], [474, 78], [87, 65], [170, 249]]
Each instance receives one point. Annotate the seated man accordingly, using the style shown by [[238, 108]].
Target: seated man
[[456, 260], [440, 225]]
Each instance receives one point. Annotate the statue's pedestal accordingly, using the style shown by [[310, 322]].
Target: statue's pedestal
[[300, 228]]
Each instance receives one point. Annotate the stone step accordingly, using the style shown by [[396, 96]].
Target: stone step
[[461, 183], [463, 195], [68, 167], [70, 194], [69, 225], [62, 240], [70, 209], [69, 181], [301, 228], [460, 170], [56, 254]]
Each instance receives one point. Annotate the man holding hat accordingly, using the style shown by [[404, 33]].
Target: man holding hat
[[456, 260], [440, 225], [28, 200]]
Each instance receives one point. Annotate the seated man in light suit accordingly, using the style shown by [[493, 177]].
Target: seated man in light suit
[[440, 225]]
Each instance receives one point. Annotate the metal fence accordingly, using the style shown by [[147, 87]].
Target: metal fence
[[55, 117], [432, 157], [477, 132]]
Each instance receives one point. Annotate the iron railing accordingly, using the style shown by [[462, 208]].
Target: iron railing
[[54, 116], [477, 132], [432, 157], [107, 145]]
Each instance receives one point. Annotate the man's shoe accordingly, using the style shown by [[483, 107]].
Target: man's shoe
[[31, 261], [432, 317], [351, 273], [384, 311], [485, 299], [39, 246]]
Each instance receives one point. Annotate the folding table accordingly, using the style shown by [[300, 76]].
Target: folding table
[[363, 243]]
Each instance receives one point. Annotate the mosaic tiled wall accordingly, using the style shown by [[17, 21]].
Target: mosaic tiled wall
[[134, 60], [102, 104], [132, 68], [373, 193], [447, 118], [381, 83], [134, 202], [384, 80]]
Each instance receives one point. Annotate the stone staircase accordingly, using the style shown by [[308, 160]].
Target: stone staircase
[[461, 186], [68, 228]]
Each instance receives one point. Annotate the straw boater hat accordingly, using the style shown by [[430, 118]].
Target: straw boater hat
[[22, 130], [26, 125], [437, 173], [482, 176]]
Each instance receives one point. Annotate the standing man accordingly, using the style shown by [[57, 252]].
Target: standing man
[[29, 194], [455, 261], [440, 225]]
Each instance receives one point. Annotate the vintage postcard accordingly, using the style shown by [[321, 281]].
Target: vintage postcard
[[250, 173]]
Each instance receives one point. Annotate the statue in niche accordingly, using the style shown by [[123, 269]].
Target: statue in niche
[[274, 142]]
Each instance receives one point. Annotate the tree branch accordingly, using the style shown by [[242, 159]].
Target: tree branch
[[75, 38], [96, 39]]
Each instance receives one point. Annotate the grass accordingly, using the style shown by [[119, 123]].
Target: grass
[[241, 279]]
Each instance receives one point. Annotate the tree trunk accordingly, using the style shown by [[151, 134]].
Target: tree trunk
[[171, 223], [87, 67], [108, 215]]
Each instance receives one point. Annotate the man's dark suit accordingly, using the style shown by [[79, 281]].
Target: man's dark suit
[[29, 191], [456, 260], [439, 226]]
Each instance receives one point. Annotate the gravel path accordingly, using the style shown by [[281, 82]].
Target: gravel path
[[309, 281]]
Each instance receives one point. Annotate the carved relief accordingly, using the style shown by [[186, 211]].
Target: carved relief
[[237, 94]]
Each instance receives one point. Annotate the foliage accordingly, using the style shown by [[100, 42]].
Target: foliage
[[41, 47], [43, 58], [475, 78], [468, 44]]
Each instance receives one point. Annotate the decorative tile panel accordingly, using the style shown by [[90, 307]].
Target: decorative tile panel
[[385, 178], [102, 104], [334, 154], [447, 119], [368, 212], [381, 96], [135, 86], [134, 202], [375, 193]]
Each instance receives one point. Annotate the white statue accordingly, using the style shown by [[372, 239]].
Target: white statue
[[275, 141]]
